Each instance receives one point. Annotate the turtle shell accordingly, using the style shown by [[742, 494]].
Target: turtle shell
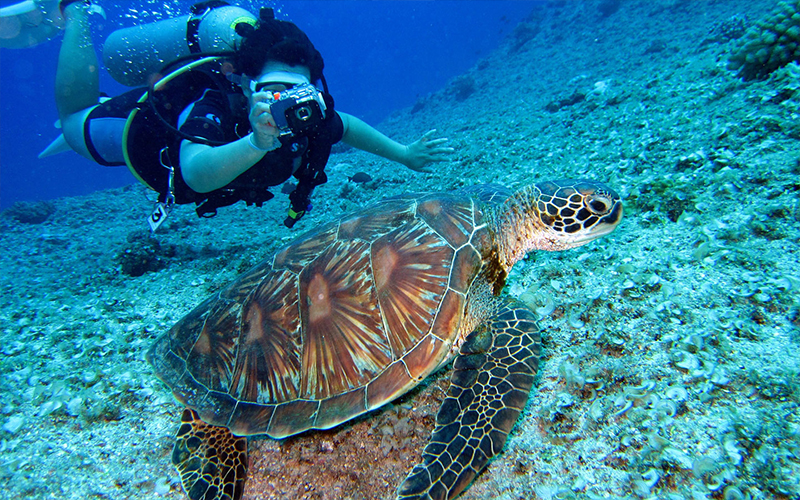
[[336, 323]]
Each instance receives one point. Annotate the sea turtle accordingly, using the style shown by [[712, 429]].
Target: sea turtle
[[357, 312]]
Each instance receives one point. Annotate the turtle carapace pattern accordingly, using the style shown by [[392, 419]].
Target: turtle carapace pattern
[[354, 314]]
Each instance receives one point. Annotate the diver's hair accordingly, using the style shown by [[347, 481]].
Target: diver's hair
[[274, 40]]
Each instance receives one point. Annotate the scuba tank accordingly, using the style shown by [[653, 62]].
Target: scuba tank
[[29, 23], [134, 56]]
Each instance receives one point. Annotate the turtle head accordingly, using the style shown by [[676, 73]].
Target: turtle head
[[572, 213], [556, 215]]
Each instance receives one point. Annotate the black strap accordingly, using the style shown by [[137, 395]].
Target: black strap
[[312, 173], [63, 4], [209, 207], [159, 101], [226, 197], [192, 36], [199, 11]]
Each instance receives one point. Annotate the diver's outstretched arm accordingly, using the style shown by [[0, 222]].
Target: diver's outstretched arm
[[77, 76], [416, 156]]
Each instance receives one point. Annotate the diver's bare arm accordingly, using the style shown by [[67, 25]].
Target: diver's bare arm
[[362, 136], [415, 156], [206, 168]]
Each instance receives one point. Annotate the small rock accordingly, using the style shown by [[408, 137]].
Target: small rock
[[13, 424], [162, 486]]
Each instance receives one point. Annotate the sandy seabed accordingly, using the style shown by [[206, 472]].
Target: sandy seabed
[[670, 367]]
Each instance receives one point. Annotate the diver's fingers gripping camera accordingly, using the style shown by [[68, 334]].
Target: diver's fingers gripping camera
[[297, 110]]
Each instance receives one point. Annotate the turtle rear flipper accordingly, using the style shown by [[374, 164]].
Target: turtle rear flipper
[[489, 388], [211, 461]]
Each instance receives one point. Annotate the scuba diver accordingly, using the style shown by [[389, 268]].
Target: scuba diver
[[29, 23], [215, 127]]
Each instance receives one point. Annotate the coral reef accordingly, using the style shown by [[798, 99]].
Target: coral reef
[[522, 34], [771, 44], [608, 7], [463, 87], [143, 253], [732, 28], [575, 98], [30, 212]]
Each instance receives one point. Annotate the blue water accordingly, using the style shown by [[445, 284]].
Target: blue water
[[380, 56]]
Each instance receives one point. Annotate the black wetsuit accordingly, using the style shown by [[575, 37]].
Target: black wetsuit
[[152, 148], [210, 118]]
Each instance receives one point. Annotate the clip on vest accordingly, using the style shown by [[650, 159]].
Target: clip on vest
[[163, 208]]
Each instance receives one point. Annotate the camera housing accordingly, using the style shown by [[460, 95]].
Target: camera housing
[[297, 110]]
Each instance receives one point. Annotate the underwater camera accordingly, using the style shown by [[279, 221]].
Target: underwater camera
[[297, 109]]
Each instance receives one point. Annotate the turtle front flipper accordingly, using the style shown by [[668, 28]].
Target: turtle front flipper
[[489, 388], [211, 461]]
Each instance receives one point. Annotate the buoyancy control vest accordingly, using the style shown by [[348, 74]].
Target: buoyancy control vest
[[152, 140]]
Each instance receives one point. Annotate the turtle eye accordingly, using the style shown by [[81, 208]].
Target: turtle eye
[[598, 204]]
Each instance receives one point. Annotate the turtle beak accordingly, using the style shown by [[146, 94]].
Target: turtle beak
[[603, 226]]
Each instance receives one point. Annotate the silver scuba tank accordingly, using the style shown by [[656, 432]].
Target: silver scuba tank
[[134, 56]]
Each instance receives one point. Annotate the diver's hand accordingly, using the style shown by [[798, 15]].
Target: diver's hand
[[424, 151], [265, 132]]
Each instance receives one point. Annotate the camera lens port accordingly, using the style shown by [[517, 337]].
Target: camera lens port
[[304, 113]]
